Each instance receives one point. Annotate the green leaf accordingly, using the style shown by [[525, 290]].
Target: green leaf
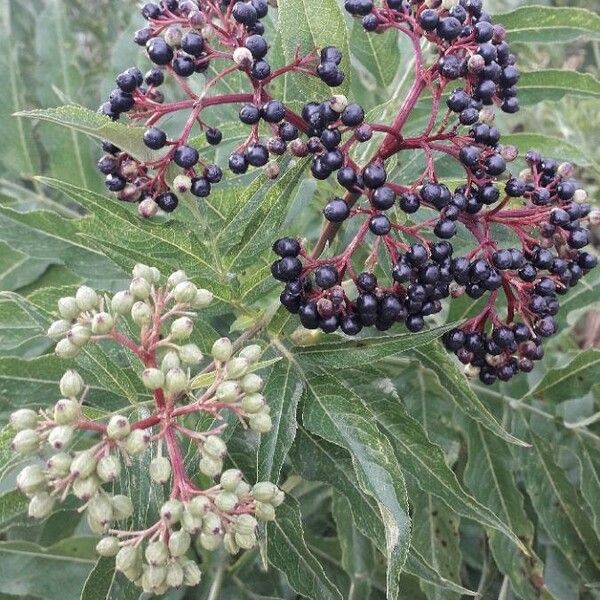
[[437, 359], [377, 53], [288, 553], [555, 84], [17, 269], [12, 503], [549, 24], [548, 146], [590, 479], [100, 580]]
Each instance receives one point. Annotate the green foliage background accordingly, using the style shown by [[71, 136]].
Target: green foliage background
[[401, 466]]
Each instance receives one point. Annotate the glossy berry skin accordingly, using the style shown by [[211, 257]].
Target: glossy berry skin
[[200, 187], [286, 247], [167, 201], [250, 114], [159, 52], [192, 43], [213, 136], [186, 157], [336, 210], [380, 225], [257, 45], [155, 138]]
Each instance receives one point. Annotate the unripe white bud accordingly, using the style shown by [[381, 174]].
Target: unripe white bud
[[86, 298], [100, 509], [209, 541], [109, 468], [236, 368], [173, 35], [171, 511], [212, 524], [31, 480], [214, 447], [83, 465], [190, 523], [245, 524], [261, 423], [278, 499], [222, 349], [170, 361], [580, 196], [58, 329], [140, 288], [176, 380], [122, 507], [136, 442], [118, 427], [594, 217], [246, 542], [182, 184], [338, 103], [26, 441], [226, 501], [251, 383], [203, 298], [175, 278], [108, 546], [264, 491], [174, 575], [24, 418], [264, 511], [251, 353], [185, 292], [96, 527], [153, 378], [179, 543], [210, 467], [66, 411], [157, 553], [230, 479], [147, 208], [60, 437], [199, 506], [191, 574], [160, 469], [142, 271], [565, 170], [228, 391], [242, 57], [71, 384], [126, 558], [242, 490], [229, 544], [66, 349], [141, 313], [182, 328], [190, 354], [102, 323], [68, 308], [253, 403], [84, 489], [40, 505], [58, 465], [79, 335], [121, 302]]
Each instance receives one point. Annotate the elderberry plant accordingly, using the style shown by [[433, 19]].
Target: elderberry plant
[[87, 458]]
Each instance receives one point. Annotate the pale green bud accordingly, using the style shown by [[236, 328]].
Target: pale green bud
[[246, 542], [251, 383], [251, 353], [109, 468], [122, 303], [174, 575], [222, 349], [157, 553], [83, 465], [96, 526], [182, 328], [84, 489], [153, 378], [86, 298], [191, 574], [278, 499], [173, 35], [261, 423], [58, 329], [253, 403], [118, 427], [264, 491], [140, 288], [137, 442], [176, 380], [160, 469], [171, 511], [229, 544], [108, 546], [145, 272], [245, 524], [242, 490], [230, 479], [176, 278], [31, 480], [212, 524], [100, 509], [203, 298], [127, 557], [210, 467], [66, 411], [191, 523], [26, 441], [185, 292], [40, 505], [122, 507], [264, 511], [141, 313], [190, 354], [214, 447], [79, 335], [66, 349], [24, 418], [170, 361], [71, 384], [226, 501], [236, 368], [179, 543], [102, 323], [68, 308], [60, 437], [209, 541], [228, 391], [58, 465], [199, 506]]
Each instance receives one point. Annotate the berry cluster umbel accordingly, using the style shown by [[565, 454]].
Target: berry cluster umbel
[[88, 458]]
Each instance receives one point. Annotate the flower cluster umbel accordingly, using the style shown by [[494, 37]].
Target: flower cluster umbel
[[89, 458]]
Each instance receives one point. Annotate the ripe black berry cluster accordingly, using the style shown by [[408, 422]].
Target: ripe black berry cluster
[[183, 39]]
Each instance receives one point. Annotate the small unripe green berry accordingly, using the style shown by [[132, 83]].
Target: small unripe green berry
[[209, 542], [245, 524], [95, 525], [121, 303], [179, 543], [40, 505], [251, 383], [222, 349], [253, 403], [100, 509], [122, 507], [190, 354], [251, 353], [160, 469], [150, 274], [229, 544], [199, 506], [153, 378], [230, 479], [66, 411], [261, 423], [191, 523], [212, 524], [246, 542], [226, 501], [83, 465], [68, 308], [109, 468], [26, 441], [141, 313], [137, 442], [24, 418], [236, 368], [71, 384], [264, 491], [108, 546], [79, 335], [102, 323], [170, 361], [157, 553], [203, 299], [86, 488], [58, 465], [118, 427], [185, 292], [228, 391], [140, 288], [182, 328], [176, 278], [60, 437], [214, 447], [242, 490], [127, 557], [264, 511], [66, 349], [176, 380], [31, 480], [174, 575], [171, 511], [58, 329], [210, 467], [191, 574], [86, 298]]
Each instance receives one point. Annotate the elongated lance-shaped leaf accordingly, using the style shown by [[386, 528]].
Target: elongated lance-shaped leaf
[[100, 580], [378, 54], [548, 145], [554, 84], [589, 461]]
